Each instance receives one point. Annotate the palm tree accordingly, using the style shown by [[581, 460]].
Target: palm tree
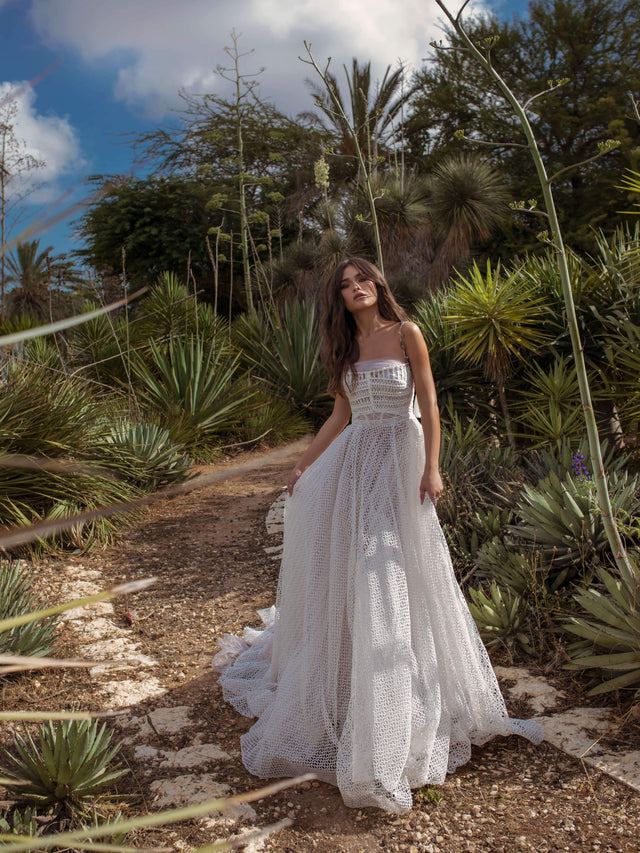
[[370, 113], [496, 318], [28, 270], [467, 199]]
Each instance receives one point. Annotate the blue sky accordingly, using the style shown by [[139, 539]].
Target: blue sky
[[121, 64]]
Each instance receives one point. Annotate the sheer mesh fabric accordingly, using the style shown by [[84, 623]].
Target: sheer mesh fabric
[[369, 670]]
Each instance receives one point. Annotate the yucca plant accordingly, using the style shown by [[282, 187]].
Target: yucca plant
[[101, 348], [283, 350], [195, 390], [68, 765], [547, 408], [35, 639], [496, 318], [169, 310], [501, 617], [610, 639], [457, 384]]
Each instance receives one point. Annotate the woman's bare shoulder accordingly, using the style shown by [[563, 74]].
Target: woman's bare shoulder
[[411, 332]]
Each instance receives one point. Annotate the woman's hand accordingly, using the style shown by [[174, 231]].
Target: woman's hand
[[294, 476], [431, 484]]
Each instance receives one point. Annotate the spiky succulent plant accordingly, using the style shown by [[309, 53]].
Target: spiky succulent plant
[[70, 764]]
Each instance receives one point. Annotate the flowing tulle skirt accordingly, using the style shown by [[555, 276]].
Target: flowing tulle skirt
[[370, 671]]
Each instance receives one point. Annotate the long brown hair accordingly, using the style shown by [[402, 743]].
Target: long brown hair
[[340, 347]]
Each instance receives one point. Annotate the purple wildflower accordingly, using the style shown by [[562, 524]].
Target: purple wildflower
[[579, 467]]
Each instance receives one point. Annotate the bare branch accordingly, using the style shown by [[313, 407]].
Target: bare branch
[[461, 10], [606, 149], [460, 134], [555, 86]]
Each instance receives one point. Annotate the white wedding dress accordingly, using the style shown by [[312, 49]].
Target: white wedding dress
[[370, 671]]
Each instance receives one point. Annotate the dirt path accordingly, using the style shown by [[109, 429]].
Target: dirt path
[[207, 551]]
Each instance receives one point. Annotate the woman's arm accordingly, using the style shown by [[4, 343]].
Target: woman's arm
[[329, 430], [418, 355]]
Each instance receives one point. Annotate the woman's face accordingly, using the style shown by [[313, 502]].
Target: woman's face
[[357, 290]]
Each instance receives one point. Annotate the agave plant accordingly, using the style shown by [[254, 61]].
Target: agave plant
[[610, 640], [69, 765], [500, 560], [561, 459], [562, 518], [169, 310], [283, 350], [501, 617], [273, 421], [194, 390], [148, 452], [59, 420], [35, 639], [20, 822]]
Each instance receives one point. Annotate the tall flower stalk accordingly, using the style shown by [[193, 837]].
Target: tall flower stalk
[[482, 53], [365, 167]]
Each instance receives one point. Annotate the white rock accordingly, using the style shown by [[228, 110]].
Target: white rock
[[164, 720], [81, 614], [121, 694], [572, 732], [187, 790], [538, 691], [194, 756], [147, 753], [98, 628], [275, 515], [190, 756]]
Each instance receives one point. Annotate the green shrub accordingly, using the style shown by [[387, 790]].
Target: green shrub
[[273, 421], [475, 470]]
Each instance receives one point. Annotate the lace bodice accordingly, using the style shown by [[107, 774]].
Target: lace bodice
[[383, 391]]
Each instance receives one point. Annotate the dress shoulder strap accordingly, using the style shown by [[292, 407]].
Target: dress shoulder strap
[[404, 352]]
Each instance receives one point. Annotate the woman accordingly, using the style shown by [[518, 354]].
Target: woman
[[370, 671]]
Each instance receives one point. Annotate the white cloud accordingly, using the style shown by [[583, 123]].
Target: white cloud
[[49, 139], [160, 46]]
